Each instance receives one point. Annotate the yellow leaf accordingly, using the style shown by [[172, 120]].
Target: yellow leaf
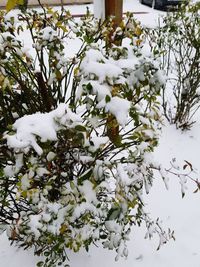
[[138, 31], [138, 42], [12, 4], [60, 25], [115, 90], [113, 130], [24, 194], [63, 228], [20, 2], [1, 79], [76, 71], [58, 75]]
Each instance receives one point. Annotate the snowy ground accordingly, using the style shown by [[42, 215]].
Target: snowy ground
[[182, 215]]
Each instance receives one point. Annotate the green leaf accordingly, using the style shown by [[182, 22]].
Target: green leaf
[[103, 236], [135, 118], [40, 264], [72, 185], [84, 177], [46, 253], [89, 87], [80, 128], [1, 173], [138, 91], [113, 213], [88, 39], [107, 98]]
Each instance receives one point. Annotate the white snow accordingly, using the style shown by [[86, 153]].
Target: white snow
[[35, 224], [30, 126], [42, 125], [98, 141], [87, 190], [99, 9], [96, 64], [182, 215], [119, 108], [48, 34], [112, 226]]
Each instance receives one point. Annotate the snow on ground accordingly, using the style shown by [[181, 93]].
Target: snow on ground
[[182, 215]]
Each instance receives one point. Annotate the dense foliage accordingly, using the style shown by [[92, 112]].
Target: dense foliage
[[77, 132]]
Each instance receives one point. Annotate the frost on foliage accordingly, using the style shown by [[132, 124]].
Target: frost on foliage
[[77, 158]]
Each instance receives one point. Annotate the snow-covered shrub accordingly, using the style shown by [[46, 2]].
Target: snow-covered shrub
[[178, 42], [77, 158]]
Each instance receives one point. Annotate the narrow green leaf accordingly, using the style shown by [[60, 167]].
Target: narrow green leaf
[[80, 128], [84, 177]]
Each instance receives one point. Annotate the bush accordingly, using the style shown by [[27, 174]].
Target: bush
[[177, 40], [76, 154]]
